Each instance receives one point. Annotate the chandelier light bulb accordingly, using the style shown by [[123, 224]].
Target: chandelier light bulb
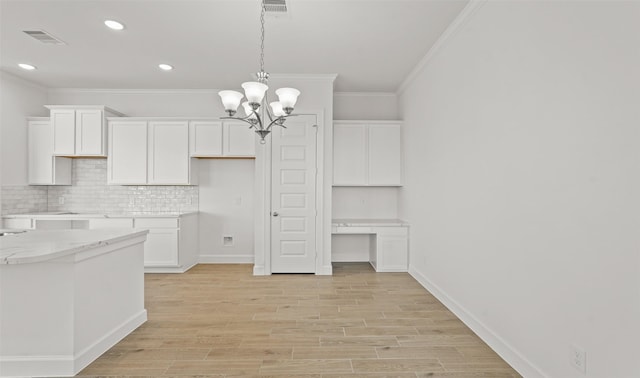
[[248, 110], [231, 100], [254, 91], [288, 98], [277, 109]]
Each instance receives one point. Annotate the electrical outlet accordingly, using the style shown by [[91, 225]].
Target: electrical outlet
[[578, 358], [227, 241], [60, 200]]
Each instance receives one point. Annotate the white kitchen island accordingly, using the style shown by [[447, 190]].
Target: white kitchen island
[[66, 297]]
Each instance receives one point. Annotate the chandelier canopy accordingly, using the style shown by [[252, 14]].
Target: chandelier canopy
[[258, 115]]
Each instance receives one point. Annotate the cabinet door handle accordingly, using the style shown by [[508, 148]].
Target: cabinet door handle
[[275, 214]]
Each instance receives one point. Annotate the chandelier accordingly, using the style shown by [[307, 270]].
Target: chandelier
[[258, 115]]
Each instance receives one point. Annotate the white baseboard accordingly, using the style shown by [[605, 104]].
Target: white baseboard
[[258, 270], [226, 259], [499, 345], [326, 270], [68, 365], [85, 357]]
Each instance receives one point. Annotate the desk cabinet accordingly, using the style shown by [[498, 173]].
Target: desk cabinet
[[389, 249]]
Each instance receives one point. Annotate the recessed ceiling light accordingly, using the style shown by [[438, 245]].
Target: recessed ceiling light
[[165, 67], [26, 66], [115, 25]]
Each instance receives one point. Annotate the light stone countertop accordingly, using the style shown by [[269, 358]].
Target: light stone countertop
[[42, 245], [369, 223], [70, 215]]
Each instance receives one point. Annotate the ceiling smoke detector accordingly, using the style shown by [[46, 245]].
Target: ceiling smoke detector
[[44, 37]]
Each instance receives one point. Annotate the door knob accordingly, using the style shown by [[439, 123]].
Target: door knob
[[275, 214]]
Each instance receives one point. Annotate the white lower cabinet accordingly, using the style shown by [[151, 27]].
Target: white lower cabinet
[[391, 250], [110, 223], [18, 223], [161, 248], [172, 243]]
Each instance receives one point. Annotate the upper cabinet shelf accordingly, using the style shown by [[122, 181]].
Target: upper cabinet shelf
[[367, 153], [80, 130]]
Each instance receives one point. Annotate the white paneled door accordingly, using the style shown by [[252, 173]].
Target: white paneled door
[[293, 196]]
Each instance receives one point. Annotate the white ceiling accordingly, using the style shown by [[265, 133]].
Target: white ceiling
[[371, 44]]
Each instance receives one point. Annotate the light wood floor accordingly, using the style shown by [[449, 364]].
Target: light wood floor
[[221, 321]]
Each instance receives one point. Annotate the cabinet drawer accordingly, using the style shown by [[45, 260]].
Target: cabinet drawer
[[111, 223], [18, 223], [391, 231], [157, 223], [353, 230]]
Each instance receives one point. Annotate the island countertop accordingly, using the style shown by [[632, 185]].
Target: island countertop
[[67, 215], [42, 245]]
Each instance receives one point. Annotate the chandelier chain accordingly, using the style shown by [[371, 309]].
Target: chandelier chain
[[262, 37]]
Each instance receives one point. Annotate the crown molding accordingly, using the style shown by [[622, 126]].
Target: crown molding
[[364, 94], [21, 80], [331, 77], [457, 24]]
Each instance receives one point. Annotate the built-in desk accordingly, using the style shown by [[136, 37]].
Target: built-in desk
[[389, 251]]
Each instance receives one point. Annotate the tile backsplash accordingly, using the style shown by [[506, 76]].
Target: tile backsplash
[[89, 192], [24, 199]]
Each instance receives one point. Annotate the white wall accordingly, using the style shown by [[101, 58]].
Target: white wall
[[19, 99], [363, 105], [522, 147], [226, 209]]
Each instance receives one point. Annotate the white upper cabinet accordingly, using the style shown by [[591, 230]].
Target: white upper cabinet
[[221, 139], [385, 155], [150, 152], [44, 168], [205, 138], [168, 152], [127, 161], [349, 154], [239, 140], [367, 153], [80, 130]]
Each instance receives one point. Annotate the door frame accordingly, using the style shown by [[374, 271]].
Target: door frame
[[262, 201]]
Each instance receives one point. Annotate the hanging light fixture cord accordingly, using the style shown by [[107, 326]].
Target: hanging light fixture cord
[[262, 37], [258, 109]]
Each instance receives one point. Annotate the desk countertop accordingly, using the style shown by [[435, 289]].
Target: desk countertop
[[369, 223]]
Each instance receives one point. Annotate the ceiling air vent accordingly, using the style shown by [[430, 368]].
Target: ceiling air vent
[[44, 37], [275, 6]]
